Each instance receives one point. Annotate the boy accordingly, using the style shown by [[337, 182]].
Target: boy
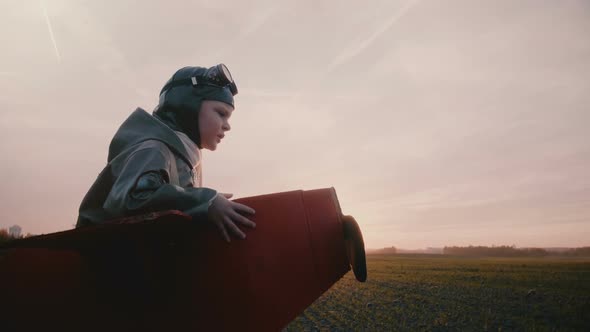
[[154, 161]]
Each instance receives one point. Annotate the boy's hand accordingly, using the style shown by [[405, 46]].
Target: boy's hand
[[225, 214]]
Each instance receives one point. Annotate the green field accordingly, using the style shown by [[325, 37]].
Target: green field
[[441, 293]]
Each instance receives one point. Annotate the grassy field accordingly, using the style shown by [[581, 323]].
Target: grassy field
[[440, 293]]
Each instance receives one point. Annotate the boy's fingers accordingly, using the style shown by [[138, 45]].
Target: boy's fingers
[[242, 208], [227, 195], [234, 229], [243, 220], [223, 231]]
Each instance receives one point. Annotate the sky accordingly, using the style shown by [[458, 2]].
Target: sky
[[437, 122]]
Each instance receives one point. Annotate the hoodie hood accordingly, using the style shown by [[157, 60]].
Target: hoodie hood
[[140, 126]]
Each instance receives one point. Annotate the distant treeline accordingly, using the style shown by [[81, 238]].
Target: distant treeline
[[5, 236], [390, 250], [512, 251]]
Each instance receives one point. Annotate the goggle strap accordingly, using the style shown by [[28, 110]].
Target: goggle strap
[[179, 82], [194, 82]]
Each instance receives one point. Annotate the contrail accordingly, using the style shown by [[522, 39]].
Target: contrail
[[50, 31], [355, 50], [248, 30]]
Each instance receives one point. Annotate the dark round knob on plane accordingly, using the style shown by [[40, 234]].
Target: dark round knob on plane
[[355, 247]]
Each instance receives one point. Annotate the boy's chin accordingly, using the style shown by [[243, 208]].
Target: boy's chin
[[210, 147]]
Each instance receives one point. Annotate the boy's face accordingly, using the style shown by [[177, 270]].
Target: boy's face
[[213, 122]]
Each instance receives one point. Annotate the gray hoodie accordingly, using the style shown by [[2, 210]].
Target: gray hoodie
[[148, 169]]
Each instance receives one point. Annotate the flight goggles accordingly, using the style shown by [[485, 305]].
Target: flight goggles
[[218, 76]]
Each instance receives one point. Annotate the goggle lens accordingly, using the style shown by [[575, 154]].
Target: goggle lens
[[225, 73]]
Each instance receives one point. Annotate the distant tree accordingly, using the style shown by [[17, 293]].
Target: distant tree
[[4, 235], [388, 250], [537, 252], [582, 251]]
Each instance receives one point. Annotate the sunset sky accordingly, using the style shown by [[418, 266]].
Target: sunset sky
[[438, 122]]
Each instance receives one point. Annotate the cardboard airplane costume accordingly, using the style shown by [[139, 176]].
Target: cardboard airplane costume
[[164, 271]]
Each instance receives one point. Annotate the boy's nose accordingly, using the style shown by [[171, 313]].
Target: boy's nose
[[226, 126]]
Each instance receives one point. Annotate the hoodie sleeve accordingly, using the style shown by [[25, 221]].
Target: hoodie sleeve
[[145, 182]]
